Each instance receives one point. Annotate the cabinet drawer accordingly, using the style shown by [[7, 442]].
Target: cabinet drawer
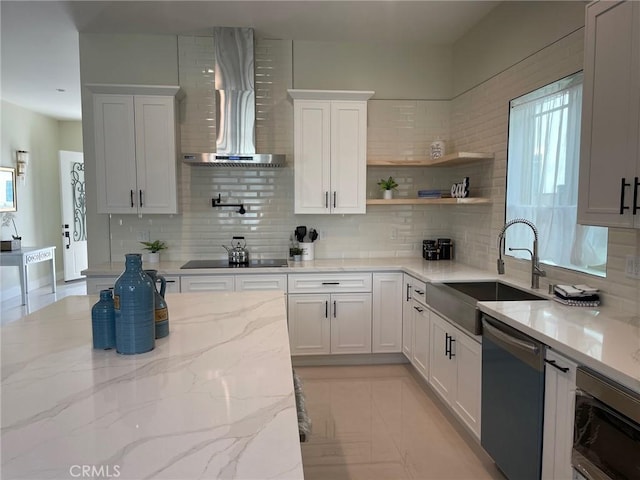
[[327, 283], [207, 283], [419, 291], [173, 283], [95, 284], [261, 282]]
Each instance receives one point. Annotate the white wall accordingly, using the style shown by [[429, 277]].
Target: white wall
[[393, 71], [495, 60], [38, 217], [508, 34]]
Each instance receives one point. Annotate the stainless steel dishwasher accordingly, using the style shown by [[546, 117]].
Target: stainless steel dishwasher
[[512, 399]]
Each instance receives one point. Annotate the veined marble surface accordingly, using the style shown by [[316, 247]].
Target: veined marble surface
[[596, 338], [214, 399]]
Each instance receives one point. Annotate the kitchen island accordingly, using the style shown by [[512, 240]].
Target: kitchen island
[[214, 399]]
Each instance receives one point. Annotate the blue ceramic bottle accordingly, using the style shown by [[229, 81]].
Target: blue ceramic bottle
[[133, 299], [103, 322], [161, 310]]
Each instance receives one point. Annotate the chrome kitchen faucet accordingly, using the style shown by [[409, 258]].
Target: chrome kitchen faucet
[[536, 271]]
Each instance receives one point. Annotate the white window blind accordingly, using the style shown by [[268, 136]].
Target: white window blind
[[542, 178]]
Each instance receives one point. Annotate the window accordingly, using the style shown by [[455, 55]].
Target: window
[[542, 178]]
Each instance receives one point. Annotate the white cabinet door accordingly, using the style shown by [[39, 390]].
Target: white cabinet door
[[330, 151], [261, 282], [609, 150], [455, 370], [115, 150], [207, 283], [467, 396], [312, 155], [309, 324], [387, 313], [156, 153], [350, 323], [348, 157], [442, 368], [420, 355], [559, 403], [135, 148], [407, 316]]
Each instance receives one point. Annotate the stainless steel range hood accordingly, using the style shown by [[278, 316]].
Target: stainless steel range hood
[[235, 105]]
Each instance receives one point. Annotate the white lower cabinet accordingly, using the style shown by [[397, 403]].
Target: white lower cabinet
[[421, 332], [455, 370], [309, 324], [329, 323], [407, 316], [559, 402], [387, 313]]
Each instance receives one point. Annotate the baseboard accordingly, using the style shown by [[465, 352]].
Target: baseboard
[[348, 359]]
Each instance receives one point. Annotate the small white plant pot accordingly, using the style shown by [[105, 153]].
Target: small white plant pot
[[297, 258], [387, 194], [153, 257]]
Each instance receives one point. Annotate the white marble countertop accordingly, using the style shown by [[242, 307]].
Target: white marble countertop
[[594, 337], [598, 338], [214, 399], [416, 266]]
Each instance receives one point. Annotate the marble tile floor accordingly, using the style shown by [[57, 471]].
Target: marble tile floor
[[12, 310], [381, 422]]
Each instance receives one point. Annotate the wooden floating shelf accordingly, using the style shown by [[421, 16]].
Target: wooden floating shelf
[[430, 201], [458, 158]]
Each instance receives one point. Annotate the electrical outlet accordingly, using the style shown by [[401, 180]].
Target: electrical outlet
[[144, 236], [632, 268]]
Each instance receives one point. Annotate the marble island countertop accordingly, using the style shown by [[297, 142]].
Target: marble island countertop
[[214, 399], [600, 338]]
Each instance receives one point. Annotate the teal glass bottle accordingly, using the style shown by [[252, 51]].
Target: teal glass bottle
[[103, 322], [133, 299], [161, 310]]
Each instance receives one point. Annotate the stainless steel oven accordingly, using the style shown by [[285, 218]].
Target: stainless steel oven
[[606, 430]]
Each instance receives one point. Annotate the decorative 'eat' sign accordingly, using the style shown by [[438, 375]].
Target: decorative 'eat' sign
[[460, 190]]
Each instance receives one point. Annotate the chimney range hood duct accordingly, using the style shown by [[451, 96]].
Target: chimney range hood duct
[[235, 105]]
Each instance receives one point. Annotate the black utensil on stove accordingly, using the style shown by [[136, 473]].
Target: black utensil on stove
[[300, 233]]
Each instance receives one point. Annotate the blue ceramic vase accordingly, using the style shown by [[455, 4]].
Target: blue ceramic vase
[[103, 322], [161, 313], [133, 299]]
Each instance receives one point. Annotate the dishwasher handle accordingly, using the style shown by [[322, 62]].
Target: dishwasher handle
[[528, 351]]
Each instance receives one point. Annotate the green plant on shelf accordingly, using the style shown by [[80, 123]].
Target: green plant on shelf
[[154, 246], [388, 184]]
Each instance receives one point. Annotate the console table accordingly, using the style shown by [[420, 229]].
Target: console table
[[28, 256]]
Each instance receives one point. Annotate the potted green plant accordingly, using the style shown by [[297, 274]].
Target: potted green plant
[[154, 250], [387, 186], [296, 253]]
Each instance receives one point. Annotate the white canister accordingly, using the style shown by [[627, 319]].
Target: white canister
[[307, 250]]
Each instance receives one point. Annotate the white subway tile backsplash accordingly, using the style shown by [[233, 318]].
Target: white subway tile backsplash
[[397, 129]]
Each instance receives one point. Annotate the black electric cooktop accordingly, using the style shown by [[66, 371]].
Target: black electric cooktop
[[278, 262]]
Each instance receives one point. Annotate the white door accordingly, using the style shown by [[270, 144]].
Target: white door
[[74, 226], [442, 369], [309, 324], [350, 323], [421, 326], [387, 313]]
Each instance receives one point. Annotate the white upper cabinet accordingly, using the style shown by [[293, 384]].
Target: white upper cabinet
[[330, 151], [610, 136], [136, 150]]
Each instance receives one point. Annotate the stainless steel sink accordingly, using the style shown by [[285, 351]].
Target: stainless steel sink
[[459, 301]]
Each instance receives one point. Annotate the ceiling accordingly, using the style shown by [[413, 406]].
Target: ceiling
[[39, 39]]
